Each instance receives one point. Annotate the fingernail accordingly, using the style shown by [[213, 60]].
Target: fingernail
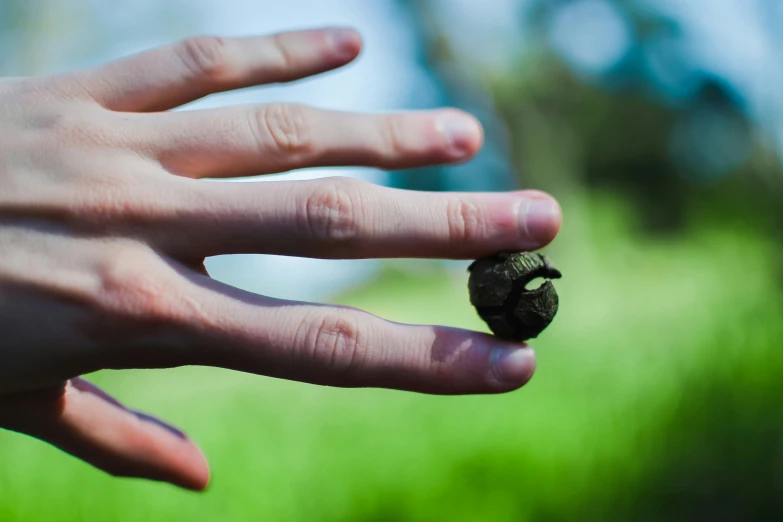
[[512, 365], [540, 220], [345, 43], [459, 131]]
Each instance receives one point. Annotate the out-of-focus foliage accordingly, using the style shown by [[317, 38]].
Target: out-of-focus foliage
[[667, 147], [649, 122]]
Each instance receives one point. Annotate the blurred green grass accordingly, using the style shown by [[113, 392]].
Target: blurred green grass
[[656, 396]]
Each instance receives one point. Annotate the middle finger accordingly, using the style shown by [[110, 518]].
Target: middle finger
[[347, 218], [242, 141]]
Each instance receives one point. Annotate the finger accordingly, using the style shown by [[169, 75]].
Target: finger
[[84, 421], [346, 218], [212, 324], [274, 138], [170, 76]]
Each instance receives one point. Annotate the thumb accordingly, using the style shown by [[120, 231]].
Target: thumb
[[81, 419]]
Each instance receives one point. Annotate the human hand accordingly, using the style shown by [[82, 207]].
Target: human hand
[[105, 224]]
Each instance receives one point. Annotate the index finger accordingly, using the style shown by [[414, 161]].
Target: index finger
[[190, 319]]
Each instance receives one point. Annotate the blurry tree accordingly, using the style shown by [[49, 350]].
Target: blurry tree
[[669, 148], [666, 134], [458, 86]]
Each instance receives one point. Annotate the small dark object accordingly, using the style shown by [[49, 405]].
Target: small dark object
[[497, 290]]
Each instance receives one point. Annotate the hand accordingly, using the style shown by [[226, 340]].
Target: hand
[[104, 227]]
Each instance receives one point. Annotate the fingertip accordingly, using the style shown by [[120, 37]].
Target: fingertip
[[345, 43], [540, 218], [193, 473], [512, 366], [201, 480], [178, 460], [204, 475], [461, 132]]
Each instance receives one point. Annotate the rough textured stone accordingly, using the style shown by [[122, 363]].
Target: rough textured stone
[[497, 291]]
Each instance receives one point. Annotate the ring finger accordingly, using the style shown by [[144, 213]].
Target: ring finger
[[263, 139]]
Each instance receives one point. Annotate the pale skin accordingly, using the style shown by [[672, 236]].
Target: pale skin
[[105, 222]]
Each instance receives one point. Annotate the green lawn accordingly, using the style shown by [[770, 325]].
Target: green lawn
[[656, 398]]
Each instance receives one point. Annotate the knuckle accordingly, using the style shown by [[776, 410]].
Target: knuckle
[[205, 56], [146, 312], [285, 58], [132, 283], [285, 125], [466, 221], [332, 211], [395, 134], [336, 341]]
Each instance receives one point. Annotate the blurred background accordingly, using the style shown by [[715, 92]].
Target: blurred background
[[658, 125]]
